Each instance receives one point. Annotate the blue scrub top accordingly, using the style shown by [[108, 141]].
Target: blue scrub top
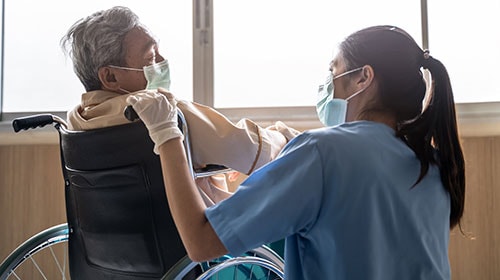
[[343, 198]]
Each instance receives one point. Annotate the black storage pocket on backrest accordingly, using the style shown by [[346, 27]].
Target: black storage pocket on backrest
[[114, 212]]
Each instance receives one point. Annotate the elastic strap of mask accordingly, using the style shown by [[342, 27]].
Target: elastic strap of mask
[[124, 90], [347, 73], [354, 94], [125, 68]]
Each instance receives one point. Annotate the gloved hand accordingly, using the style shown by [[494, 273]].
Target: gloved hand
[[287, 131], [158, 111]]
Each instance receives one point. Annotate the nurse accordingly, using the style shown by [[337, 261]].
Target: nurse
[[373, 195]]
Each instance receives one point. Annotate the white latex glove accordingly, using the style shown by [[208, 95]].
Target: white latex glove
[[159, 113]]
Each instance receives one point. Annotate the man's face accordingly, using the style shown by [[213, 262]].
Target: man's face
[[141, 49]]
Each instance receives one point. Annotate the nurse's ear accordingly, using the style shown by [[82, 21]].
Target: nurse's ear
[[366, 77], [108, 79]]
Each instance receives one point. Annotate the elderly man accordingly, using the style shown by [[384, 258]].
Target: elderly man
[[115, 56]]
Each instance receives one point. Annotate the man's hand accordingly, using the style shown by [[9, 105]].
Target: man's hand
[[287, 131], [158, 111]]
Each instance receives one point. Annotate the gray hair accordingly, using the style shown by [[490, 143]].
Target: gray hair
[[96, 41]]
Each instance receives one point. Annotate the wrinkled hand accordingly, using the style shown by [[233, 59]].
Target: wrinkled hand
[[158, 111]]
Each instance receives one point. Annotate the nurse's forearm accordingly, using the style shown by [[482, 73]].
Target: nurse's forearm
[[186, 205]]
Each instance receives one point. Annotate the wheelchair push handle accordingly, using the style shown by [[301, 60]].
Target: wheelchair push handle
[[32, 122], [130, 113]]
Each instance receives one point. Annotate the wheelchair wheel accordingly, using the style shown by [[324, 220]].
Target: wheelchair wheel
[[43, 256], [257, 264], [251, 268]]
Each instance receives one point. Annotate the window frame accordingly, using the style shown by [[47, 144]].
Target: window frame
[[2, 24]]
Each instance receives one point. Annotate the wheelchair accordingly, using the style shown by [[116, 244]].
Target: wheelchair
[[118, 220]]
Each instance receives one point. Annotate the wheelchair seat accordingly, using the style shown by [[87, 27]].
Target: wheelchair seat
[[118, 216]]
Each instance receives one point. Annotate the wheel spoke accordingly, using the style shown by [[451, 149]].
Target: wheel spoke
[[65, 262], [61, 268], [38, 267], [251, 270], [14, 273]]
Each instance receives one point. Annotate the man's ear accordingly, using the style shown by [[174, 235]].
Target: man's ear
[[108, 79]]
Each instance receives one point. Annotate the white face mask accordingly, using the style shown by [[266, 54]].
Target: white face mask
[[157, 75], [332, 111]]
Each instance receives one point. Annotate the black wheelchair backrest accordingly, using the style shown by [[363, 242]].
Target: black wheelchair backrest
[[118, 215]]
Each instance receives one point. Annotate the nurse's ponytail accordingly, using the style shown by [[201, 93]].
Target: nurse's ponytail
[[436, 130], [430, 131]]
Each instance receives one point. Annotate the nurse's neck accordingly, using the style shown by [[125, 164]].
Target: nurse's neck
[[380, 117]]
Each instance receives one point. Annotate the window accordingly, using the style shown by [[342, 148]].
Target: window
[[37, 75], [276, 53], [465, 38], [260, 53]]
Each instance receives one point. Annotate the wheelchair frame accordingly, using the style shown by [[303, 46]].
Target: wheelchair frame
[[262, 258]]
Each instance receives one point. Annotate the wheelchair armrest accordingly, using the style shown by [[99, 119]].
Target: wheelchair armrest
[[209, 170]]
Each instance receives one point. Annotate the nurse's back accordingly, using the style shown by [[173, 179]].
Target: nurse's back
[[380, 224]]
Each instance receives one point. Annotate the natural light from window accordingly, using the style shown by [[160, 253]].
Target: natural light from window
[[464, 36], [266, 53], [277, 53], [37, 75]]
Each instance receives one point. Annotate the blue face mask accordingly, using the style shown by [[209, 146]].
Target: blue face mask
[[157, 75], [332, 111]]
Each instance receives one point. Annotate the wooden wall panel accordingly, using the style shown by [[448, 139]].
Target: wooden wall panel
[[31, 193], [32, 199], [478, 257]]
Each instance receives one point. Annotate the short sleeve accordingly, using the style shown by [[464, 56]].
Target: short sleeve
[[279, 199]]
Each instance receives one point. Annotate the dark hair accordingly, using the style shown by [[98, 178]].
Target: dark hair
[[432, 133]]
